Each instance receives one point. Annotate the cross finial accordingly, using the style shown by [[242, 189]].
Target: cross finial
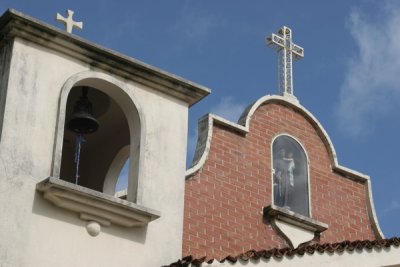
[[282, 42], [69, 22]]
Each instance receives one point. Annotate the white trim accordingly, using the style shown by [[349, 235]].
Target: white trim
[[92, 205], [371, 211], [243, 125], [16, 24], [308, 169], [134, 114], [205, 126], [295, 228]]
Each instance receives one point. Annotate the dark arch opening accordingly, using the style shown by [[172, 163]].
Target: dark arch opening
[[99, 148]]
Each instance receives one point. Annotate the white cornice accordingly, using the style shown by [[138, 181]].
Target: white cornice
[[14, 24]]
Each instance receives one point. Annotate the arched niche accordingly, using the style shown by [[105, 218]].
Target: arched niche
[[290, 175], [121, 129], [114, 171]]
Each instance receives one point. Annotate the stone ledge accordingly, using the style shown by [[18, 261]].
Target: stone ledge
[[95, 206], [291, 217], [295, 228]]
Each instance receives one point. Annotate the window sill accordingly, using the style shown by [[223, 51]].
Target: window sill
[[294, 218], [295, 228], [94, 206]]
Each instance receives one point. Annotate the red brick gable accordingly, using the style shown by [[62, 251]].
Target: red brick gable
[[225, 198]]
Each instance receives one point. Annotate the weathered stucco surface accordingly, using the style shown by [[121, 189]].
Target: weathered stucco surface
[[33, 232]]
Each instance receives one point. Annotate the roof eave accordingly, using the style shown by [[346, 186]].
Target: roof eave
[[16, 24]]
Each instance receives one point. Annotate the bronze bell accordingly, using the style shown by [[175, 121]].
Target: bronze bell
[[82, 120]]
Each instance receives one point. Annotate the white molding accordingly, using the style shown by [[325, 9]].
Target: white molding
[[293, 234], [132, 110], [207, 122], [205, 126], [372, 213], [16, 24], [273, 211], [95, 206]]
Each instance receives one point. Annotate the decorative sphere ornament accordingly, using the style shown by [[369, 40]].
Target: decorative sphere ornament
[[93, 228]]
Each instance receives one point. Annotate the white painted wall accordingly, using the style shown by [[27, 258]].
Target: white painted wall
[[35, 233]]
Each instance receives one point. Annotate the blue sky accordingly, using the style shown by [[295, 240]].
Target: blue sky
[[349, 78]]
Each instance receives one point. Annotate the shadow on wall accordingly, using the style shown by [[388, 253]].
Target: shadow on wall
[[44, 208]]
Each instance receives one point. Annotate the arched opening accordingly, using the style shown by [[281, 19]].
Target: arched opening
[[118, 173], [121, 186], [122, 180], [290, 175], [120, 129], [97, 149]]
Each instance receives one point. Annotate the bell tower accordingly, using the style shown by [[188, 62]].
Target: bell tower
[[71, 114]]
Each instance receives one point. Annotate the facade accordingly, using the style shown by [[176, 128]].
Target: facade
[[233, 216], [229, 191], [270, 182], [50, 220]]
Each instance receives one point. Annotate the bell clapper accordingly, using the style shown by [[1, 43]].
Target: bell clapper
[[79, 142]]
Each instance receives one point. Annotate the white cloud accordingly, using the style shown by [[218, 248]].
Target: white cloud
[[228, 109], [371, 87]]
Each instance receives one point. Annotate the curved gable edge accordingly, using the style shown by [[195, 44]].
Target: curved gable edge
[[205, 130]]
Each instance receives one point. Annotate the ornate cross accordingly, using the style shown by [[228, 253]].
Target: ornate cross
[[69, 22], [282, 42]]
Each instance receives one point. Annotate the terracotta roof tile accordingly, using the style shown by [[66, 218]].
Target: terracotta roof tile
[[308, 249]]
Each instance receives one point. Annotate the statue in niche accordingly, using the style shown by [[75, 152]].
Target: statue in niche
[[290, 175], [283, 177]]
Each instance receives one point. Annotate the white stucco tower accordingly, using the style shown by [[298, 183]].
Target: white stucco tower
[[47, 219]]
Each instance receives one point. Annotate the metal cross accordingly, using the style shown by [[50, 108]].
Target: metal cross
[[282, 42], [69, 22]]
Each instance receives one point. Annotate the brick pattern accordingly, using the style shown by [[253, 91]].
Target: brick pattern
[[224, 200]]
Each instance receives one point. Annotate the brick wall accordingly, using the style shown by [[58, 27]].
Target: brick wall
[[224, 200]]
